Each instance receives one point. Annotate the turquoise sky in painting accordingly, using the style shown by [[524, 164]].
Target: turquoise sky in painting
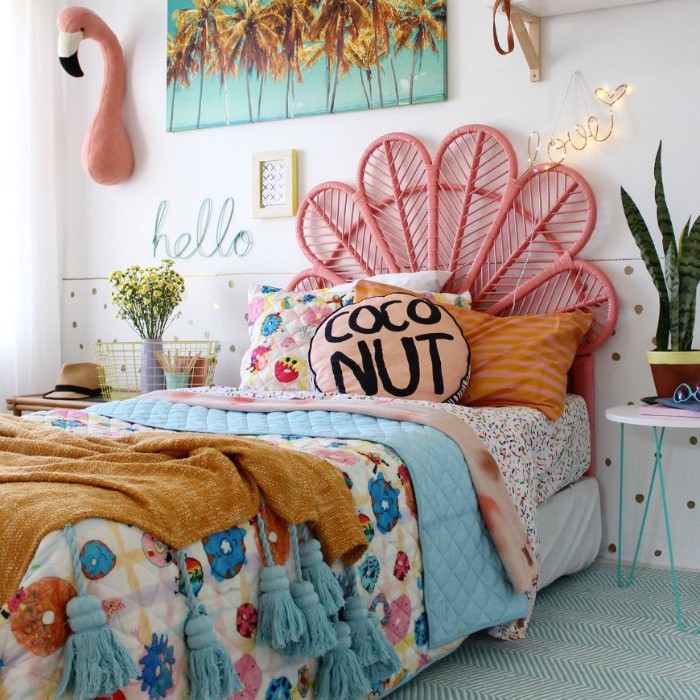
[[430, 85]]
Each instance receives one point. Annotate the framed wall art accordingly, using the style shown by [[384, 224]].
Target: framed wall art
[[274, 184], [241, 61]]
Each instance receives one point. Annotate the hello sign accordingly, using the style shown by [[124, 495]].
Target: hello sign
[[400, 346]]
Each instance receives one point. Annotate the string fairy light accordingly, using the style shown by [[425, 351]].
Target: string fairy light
[[558, 147]]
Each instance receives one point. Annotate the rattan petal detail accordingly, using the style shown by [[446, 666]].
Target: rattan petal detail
[[510, 241]]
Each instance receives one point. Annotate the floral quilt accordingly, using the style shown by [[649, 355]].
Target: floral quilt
[[137, 580]]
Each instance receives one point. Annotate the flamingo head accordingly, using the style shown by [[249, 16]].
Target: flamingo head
[[74, 25]]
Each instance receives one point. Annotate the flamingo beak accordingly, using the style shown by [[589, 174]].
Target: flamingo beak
[[68, 43]]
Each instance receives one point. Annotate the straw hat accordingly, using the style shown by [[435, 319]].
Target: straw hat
[[76, 380]]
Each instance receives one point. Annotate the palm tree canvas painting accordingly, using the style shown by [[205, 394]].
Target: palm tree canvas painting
[[242, 61]]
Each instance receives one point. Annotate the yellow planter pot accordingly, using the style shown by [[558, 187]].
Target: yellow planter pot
[[671, 368]]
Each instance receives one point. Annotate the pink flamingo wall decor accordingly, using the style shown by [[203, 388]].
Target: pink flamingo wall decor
[[107, 156]]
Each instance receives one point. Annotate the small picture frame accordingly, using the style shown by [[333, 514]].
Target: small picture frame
[[274, 184]]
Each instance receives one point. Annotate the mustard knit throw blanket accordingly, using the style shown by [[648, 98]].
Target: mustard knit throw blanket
[[179, 487]]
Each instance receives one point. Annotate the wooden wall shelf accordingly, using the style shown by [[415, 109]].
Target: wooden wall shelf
[[552, 8], [526, 16], [526, 27]]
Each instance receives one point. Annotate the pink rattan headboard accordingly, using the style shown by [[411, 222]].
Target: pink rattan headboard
[[511, 241]]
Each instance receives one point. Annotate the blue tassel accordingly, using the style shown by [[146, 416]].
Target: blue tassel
[[319, 634], [340, 676], [96, 664], [315, 570], [374, 651], [211, 673], [212, 676], [383, 670], [280, 622]]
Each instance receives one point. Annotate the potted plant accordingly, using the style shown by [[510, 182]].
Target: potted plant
[[676, 281]]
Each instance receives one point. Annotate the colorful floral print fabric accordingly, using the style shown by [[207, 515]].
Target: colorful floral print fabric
[[281, 325], [136, 578]]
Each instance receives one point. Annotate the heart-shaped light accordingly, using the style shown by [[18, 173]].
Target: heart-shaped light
[[610, 98]]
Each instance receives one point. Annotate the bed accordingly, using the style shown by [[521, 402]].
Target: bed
[[462, 511]]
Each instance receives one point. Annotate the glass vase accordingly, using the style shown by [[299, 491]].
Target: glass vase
[[152, 376]]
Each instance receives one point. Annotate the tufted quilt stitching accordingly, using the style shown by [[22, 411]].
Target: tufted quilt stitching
[[465, 587]]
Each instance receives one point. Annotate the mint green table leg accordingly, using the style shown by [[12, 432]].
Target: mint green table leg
[[658, 468], [676, 594], [620, 583], [657, 462]]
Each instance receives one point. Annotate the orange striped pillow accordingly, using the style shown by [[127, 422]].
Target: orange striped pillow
[[515, 360]]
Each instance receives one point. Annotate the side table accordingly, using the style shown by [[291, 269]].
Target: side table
[[35, 402], [629, 415]]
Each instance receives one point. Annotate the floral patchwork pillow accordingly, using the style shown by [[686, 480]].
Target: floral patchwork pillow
[[281, 325]]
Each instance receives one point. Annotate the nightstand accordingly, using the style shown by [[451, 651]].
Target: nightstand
[[629, 415], [35, 402]]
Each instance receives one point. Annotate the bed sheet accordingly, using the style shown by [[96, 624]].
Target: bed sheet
[[547, 455], [538, 457]]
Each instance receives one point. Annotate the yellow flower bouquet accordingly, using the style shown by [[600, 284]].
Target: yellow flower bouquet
[[147, 297]]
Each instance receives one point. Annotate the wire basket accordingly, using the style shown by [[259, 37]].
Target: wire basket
[[129, 369]]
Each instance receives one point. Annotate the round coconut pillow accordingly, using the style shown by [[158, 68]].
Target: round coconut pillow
[[398, 346]]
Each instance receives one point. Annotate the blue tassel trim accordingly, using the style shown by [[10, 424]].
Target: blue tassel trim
[[374, 651], [315, 570], [340, 675], [211, 672], [319, 634], [383, 670], [280, 622], [95, 664]]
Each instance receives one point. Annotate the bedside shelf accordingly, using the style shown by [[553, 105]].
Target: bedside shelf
[[17, 405], [552, 8], [526, 15]]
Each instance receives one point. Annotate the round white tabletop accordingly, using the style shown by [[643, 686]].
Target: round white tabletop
[[630, 415]]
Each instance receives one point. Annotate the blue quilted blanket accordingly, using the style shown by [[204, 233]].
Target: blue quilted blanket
[[465, 587]]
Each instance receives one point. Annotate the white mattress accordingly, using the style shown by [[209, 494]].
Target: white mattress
[[570, 530]]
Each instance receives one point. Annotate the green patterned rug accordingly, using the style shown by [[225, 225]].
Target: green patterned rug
[[588, 640]]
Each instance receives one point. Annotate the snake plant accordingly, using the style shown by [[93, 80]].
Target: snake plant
[[677, 280]]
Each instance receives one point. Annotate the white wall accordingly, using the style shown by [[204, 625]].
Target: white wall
[[653, 47]]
